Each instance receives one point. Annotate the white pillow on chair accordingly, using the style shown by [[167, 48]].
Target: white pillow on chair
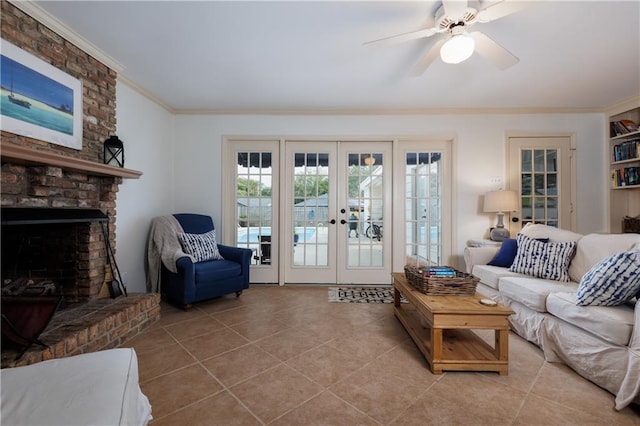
[[202, 247]]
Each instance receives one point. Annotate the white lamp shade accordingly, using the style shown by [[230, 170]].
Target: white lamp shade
[[457, 49], [501, 201]]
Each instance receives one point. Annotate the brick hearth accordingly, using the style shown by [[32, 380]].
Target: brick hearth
[[89, 327]]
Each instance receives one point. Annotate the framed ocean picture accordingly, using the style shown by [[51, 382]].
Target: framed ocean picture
[[38, 100]]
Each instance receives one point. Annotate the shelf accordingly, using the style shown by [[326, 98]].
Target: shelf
[[623, 200], [625, 187], [630, 160], [626, 135], [23, 155]]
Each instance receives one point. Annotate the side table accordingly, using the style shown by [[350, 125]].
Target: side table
[[483, 243]]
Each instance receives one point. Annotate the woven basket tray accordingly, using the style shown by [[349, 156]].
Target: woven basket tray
[[461, 285]]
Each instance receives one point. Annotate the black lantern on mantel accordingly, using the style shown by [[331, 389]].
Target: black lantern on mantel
[[114, 152]]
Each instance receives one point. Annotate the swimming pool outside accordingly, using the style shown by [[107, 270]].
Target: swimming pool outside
[[252, 234]]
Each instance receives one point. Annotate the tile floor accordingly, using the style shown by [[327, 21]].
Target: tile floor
[[286, 356]]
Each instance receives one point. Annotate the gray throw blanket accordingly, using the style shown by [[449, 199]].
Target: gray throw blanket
[[163, 248]]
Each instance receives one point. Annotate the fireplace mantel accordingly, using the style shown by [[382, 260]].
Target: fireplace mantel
[[18, 154]]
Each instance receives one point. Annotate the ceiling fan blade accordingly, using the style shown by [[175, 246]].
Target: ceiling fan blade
[[499, 10], [492, 51], [427, 59], [400, 38], [454, 9]]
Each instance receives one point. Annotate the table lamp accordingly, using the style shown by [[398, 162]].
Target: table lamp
[[500, 201]]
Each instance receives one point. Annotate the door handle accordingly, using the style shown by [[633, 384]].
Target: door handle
[[332, 221], [342, 221], [515, 219]]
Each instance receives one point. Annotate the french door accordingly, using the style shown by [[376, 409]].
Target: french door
[[541, 172], [423, 212], [338, 205], [252, 192], [327, 212]]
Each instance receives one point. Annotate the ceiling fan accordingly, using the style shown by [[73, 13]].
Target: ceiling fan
[[454, 18]]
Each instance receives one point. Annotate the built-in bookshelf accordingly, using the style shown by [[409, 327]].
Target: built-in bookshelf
[[624, 165], [625, 159]]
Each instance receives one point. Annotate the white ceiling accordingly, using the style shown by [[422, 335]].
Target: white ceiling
[[304, 55]]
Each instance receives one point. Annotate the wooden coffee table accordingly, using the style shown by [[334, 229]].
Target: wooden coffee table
[[441, 327]]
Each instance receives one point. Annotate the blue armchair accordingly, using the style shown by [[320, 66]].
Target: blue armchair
[[199, 281]]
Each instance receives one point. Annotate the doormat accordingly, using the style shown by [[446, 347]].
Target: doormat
[[362, 295]]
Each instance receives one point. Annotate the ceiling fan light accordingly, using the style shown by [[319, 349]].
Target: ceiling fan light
[[457, 49]]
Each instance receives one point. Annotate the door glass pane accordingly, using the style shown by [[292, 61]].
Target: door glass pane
[[552, 208], [526, 183], [525, 159], [254, 204], [365, 200], [552, 156], [552, 184], [423, 221], [538, 160], [527, 213], [310, 209], [540, 187]]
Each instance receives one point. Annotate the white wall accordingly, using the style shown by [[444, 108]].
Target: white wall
[[146, 130], [181, 158], [479, 154]]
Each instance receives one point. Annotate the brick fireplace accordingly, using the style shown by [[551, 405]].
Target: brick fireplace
[[41, 176], [52, 212], [62, 247], [45, 242], [38, 174]]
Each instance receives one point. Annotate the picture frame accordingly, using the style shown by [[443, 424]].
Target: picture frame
[[38, 100]]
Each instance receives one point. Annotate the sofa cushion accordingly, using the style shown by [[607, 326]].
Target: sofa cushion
[[611, 323], [206, 272], [490, 275], [555, 235], [543, 260], [613, 281], [202, 247], [592, 248], [532, 292]]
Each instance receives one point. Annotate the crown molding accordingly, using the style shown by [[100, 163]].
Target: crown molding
[[153, 98], [53, 23], [624, 105], [416, 111]]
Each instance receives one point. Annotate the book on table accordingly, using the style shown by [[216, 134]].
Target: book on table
[[441, 271]]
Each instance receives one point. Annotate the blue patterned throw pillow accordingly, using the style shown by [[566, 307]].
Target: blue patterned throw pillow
[[543, 260], [202, 247], [506, 254], [612, 281]]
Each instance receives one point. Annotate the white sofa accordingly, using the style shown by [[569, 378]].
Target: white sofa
[[601, 343], [97, 388]]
